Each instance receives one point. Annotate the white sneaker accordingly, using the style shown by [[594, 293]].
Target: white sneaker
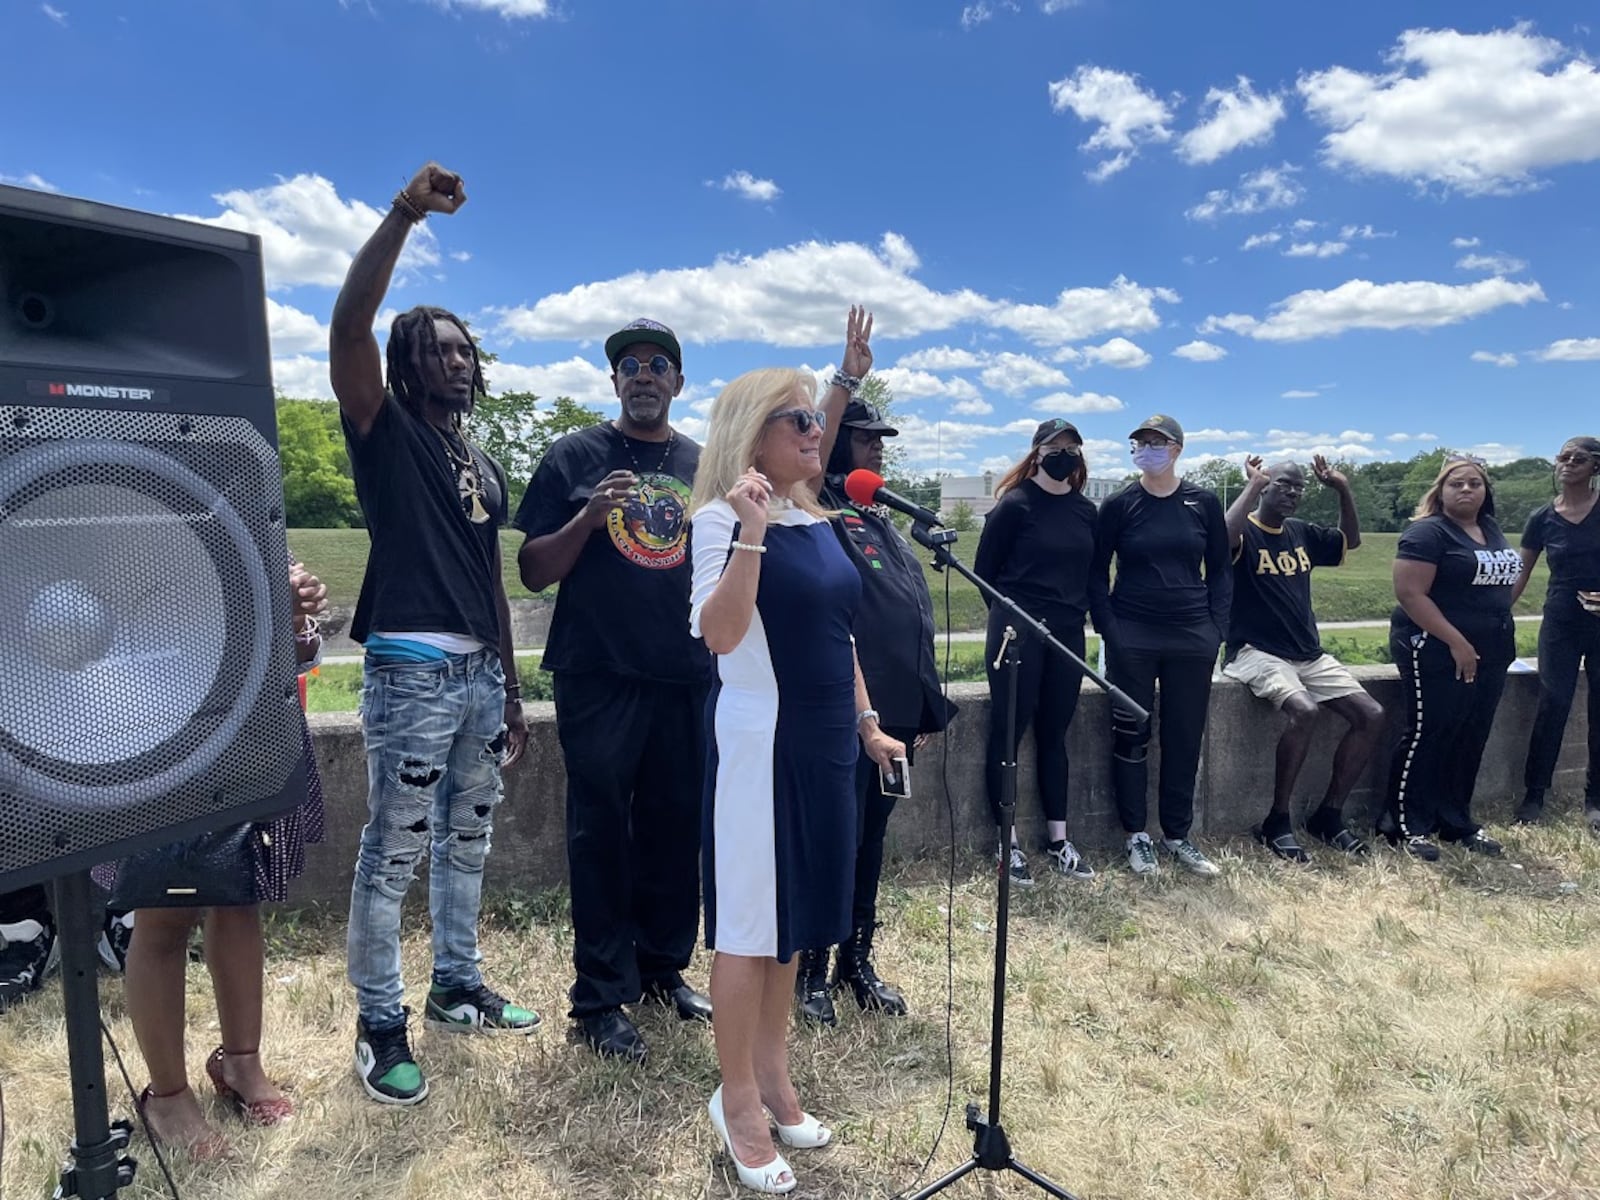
[[1190, 858], [1142, 854], [1066, 861]]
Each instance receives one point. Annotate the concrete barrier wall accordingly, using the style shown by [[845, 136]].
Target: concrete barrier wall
[[1234, 789]]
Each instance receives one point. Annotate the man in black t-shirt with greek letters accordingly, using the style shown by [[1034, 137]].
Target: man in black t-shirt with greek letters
[[606, 517], [1274, 648]]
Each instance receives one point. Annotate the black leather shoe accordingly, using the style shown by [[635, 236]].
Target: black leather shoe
[[855, 971], [1477, 842], [811, 991], [611, 1035], [689, 1004]]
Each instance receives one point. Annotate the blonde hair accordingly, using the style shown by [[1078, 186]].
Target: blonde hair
[[1432, 502], [738, 423]]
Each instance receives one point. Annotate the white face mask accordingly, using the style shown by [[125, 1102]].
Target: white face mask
[[1152, 458]]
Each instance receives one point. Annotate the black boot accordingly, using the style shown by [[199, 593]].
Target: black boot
[[811, 988], [1531, 808], [855, 969]]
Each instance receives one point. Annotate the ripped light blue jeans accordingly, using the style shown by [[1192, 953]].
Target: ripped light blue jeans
[[434, 733]]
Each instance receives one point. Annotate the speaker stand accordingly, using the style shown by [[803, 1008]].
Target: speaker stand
[[96, 1165]]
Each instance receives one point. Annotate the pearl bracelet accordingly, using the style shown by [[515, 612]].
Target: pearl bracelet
[[752, 547]]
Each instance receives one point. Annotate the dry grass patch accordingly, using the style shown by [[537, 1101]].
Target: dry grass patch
[[1350, 1030]]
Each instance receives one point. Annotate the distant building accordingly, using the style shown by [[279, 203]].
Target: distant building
[[978, 492]]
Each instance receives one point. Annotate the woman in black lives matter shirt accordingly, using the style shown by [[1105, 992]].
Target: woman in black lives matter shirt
[[1452, 640], [1036, 547], [1568, 530], [1165, 622]]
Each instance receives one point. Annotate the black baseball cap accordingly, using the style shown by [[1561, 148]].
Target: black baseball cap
[[1161, 424], [1055, 427], [858, 414], [644, 330]]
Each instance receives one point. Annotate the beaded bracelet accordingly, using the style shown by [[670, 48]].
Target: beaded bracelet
[[308, 633], [850, 383], [753, 547], [408, 206]]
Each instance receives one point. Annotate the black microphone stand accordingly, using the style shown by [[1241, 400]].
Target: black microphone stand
[[991, 1149]]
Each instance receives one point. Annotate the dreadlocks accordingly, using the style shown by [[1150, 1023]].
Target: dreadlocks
[[412, 336]]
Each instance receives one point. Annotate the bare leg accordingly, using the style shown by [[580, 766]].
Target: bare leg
[[772, 1044], [1355, 749], [234, 956], [739, 987], [154, 991], [1292, 749]]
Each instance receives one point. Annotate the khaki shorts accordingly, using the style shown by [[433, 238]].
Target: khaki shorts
[[1276, 679]]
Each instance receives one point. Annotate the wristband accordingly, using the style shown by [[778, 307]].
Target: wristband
[[850, 383], [752, 547]]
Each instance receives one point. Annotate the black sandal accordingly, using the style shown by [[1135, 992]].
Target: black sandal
[[1284, 845]]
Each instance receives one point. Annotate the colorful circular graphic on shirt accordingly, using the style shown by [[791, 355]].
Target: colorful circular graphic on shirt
[[651, 527]]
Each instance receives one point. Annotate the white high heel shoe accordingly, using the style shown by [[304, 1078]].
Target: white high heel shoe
[[806, 1134], [773, 1178]]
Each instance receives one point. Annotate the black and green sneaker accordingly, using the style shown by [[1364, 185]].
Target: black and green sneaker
[[477, 1009], [385, 1066]]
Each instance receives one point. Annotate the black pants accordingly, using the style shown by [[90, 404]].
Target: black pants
[[1185, 680], [1562, 643], [872, 822], [31, 903], [635, 754], [1435, 763], [1047, 697]]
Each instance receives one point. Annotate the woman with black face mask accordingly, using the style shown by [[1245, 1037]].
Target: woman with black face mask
[[1036, 547]]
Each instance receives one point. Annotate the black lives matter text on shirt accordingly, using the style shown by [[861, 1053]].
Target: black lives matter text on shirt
[[1572, 551], [624, 607], [431, 569], [1037, 548], [1160, 544], [1272, 587], [1473, 581]]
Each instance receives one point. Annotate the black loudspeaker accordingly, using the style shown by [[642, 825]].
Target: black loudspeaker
[[147, 686]]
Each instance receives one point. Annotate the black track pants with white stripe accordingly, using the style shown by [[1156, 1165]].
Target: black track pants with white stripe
[[1447, 722]]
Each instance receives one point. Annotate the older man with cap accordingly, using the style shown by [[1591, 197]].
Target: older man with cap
[[605, 517]]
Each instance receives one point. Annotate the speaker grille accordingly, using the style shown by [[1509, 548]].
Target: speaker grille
[[150, 672]]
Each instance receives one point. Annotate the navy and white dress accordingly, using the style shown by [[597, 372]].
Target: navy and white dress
[[780, 823]]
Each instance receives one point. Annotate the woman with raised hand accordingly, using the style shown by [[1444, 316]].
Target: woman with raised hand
[[1568, 531], [1452, 640], [1036, 548], [774, 597], [1164, 624]]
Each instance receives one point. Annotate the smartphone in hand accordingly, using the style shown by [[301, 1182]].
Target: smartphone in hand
[[896, 780]]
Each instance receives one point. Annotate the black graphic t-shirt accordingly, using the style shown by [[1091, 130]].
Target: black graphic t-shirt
[[1572, 550], [1272, 587], [1474, 582], [433, 507], [624, 607]]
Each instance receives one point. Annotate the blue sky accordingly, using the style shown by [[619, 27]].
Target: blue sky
[[1363, 229]]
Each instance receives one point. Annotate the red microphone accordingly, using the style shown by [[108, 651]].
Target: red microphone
[[866, 489]]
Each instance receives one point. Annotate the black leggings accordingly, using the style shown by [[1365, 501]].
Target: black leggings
[[1562, 643], [1185, 680], [1047, 697]]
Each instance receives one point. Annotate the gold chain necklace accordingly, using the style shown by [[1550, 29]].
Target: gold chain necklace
[[468, 483]]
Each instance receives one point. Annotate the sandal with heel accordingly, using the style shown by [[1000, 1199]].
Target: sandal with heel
[[773, 1178], [255, 1112], [211, 1148]]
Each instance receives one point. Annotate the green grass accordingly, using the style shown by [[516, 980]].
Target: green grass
[[1361, 590]]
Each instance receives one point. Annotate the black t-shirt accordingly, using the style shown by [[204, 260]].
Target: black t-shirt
[[1160, 544], [1473, 583], [432, 567], [1573, 552], [624, 606], [1037, 548], [1272, 587], [894, 621]]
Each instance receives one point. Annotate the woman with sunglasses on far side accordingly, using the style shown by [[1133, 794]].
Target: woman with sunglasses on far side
[[1452, 639], [1036, 547], [1568, 530]]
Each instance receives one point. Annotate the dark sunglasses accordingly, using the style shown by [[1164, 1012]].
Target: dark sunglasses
[[803, 418], [1577, 458], [1465, 458], [628, 366]]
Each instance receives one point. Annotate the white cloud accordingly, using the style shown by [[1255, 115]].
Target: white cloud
[[1216, 435], [1366, 233], [302, 377], [584, 381], [798, 296], [1495, 453], [55, 14], [1362, 304], [1014, 374], [974, 15], [920, 385], [1464, 243], [29, 179], [1258, 191], [1412, 437], [972, 408], [1232, 119], [1198, 351], [1059, 403], [1480, 113], [308, 234], [1494, 360], [1298, 394], [1494, 264], [749, 187], [1128, 116], [1119, 352], [1058, 6], [1347, 446], [1315, 249], [509, 9], [941, 358], [1572, 350], [291, 331], [1304, 225], [461, 255], [1262, 239]]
